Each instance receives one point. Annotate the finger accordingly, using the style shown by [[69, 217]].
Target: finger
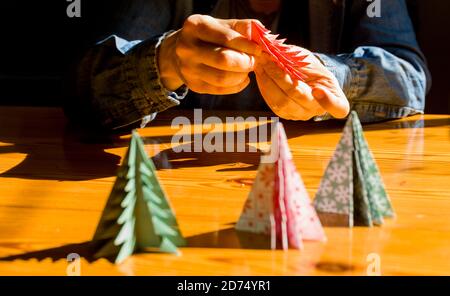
[[211, 30], [242, 26], [201, 87], [215, 76], [298, 91], [223, 58], [277, 99], [338, 107]]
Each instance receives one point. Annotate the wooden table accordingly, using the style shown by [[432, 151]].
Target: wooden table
[[54, 183]]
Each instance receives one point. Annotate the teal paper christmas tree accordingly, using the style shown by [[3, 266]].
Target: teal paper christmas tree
[[137, 214], [351, 191]]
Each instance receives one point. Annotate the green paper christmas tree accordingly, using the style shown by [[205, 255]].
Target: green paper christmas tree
[[137, 215], [352, 192]]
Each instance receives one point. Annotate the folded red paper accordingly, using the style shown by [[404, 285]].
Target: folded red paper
[[288, 57], [278, 204]]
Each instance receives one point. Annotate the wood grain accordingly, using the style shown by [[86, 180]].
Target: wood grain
[[54, 182]]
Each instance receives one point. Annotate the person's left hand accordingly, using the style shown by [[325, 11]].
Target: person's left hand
[[297, 100]]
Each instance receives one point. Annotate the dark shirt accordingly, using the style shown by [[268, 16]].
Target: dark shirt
[[376, 60]]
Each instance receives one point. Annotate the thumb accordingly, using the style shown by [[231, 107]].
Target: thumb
[[243, 27], [338, 107]]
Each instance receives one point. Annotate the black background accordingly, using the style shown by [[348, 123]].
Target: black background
[[279, 285]]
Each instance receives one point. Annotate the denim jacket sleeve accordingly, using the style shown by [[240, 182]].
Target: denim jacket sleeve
[[384, 76], [117, 81]]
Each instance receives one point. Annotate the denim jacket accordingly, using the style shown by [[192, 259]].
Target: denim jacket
[[376, 60]]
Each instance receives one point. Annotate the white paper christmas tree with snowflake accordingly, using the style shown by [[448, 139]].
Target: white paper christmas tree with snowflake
[[351, 191], [278, 203]]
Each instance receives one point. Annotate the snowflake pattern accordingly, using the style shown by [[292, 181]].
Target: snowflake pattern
[[336, 192], [337, 173], [347, 136], [342, 194], [327, 206], [375, 187], [326, 187], [343, 157]]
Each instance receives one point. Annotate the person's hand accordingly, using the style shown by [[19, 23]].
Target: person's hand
[[297, 100], [208, 55]]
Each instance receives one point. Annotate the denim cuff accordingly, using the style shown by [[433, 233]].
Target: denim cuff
[[353, 77], [338, 65], [148, 94]]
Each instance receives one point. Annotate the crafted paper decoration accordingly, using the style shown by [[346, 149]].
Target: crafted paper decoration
[[288, 57], [278, 203], [137, 214], [351, 191]]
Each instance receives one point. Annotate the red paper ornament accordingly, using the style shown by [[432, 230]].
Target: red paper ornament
[[288, 57]]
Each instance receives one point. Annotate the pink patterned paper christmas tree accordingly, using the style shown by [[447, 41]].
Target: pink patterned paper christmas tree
[[278, 203]]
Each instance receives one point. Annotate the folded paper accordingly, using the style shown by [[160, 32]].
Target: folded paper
[[278, 203], [137, 214], [288, 57], [351, 191]]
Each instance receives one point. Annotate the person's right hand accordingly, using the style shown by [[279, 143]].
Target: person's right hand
[[208, 55]]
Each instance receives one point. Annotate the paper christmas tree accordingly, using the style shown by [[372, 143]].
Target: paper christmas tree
[[137, 214], [351, 191], [278, 203], [288, 57]]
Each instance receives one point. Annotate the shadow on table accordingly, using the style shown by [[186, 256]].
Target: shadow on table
[[236, 150], [248, 160], [84, 250], [75, 157], [309, 126], [227, 238], [81, 155], [233, 161]]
